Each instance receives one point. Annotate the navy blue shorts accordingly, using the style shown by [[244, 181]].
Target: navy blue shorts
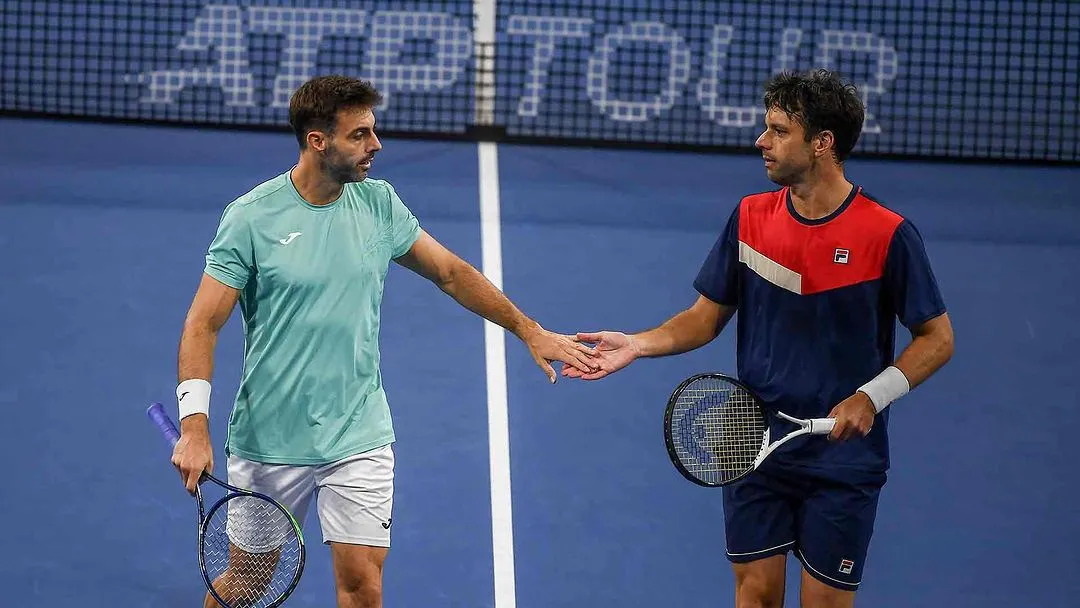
[[827, 523]]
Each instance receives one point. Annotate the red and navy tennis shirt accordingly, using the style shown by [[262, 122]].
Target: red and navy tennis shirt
[[817, 304]]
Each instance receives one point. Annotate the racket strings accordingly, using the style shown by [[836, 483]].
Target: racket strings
[[718, 430], [251, 552]]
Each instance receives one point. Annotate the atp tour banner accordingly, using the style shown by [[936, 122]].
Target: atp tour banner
[[952, 79]]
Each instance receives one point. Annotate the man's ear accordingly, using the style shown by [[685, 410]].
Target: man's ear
[[824, 143], [317, 140]]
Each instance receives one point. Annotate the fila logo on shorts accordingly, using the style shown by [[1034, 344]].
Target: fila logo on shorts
[[841, 256], [846, 565]]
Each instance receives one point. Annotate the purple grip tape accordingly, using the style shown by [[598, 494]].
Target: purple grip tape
[[157, 413]]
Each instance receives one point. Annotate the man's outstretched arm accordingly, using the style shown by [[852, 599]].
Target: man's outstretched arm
[[470, 288], [690, 329]]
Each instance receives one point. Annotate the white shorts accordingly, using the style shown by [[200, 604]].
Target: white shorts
[[355, 494]]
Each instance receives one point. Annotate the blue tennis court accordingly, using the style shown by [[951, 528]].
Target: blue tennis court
[[104, 228]]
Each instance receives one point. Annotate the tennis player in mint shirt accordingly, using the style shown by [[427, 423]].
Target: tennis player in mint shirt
[[305, 255]]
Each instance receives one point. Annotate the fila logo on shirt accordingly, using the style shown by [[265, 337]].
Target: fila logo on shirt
[[840, 256], [846, 565]]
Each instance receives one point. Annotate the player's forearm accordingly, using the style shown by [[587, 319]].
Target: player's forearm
[[684, 332], [472, 290], [196, 356], [196, 361], [927, 353]]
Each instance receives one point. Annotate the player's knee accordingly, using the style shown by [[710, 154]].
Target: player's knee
[[815, 594], [758, 588], [241, 582], [360, 593], [359, 580], [758, 596], [361, 588]]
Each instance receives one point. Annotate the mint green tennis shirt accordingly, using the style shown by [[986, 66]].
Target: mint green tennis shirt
[[311, 285]]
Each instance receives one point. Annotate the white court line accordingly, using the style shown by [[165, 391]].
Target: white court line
[[502, 521]]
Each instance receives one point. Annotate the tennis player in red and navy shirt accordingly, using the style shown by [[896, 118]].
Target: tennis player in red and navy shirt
[[819, 272]]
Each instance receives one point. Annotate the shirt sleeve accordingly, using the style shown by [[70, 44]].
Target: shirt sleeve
[[909, 279], [718, 278], [231, 256], [404, 227]]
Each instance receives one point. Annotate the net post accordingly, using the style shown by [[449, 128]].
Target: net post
[[484, 51], [483, 126]]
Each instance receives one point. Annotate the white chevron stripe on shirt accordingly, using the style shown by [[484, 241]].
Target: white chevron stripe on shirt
[[769, 270]]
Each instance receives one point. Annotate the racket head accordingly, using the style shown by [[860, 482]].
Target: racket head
[[714, 429], [251, 550]]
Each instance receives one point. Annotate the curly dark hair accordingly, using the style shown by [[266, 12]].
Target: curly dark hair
[[819, 101], [316, 103]]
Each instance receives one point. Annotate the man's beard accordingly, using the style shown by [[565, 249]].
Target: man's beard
[[783, 177], [339, 168], [788, 175]]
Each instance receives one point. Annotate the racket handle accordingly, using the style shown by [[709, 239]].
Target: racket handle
[[822, 426], [157, 414]]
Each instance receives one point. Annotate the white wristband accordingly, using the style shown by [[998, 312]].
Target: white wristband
[[193, 397], [886, 387]]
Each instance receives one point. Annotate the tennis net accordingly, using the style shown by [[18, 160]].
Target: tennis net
[[956, 79]]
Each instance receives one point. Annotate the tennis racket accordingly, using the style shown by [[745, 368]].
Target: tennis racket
[[717, 432], [251, 549]]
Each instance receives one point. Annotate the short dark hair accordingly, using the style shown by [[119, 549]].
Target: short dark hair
[[316, 103], [819, 101]]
